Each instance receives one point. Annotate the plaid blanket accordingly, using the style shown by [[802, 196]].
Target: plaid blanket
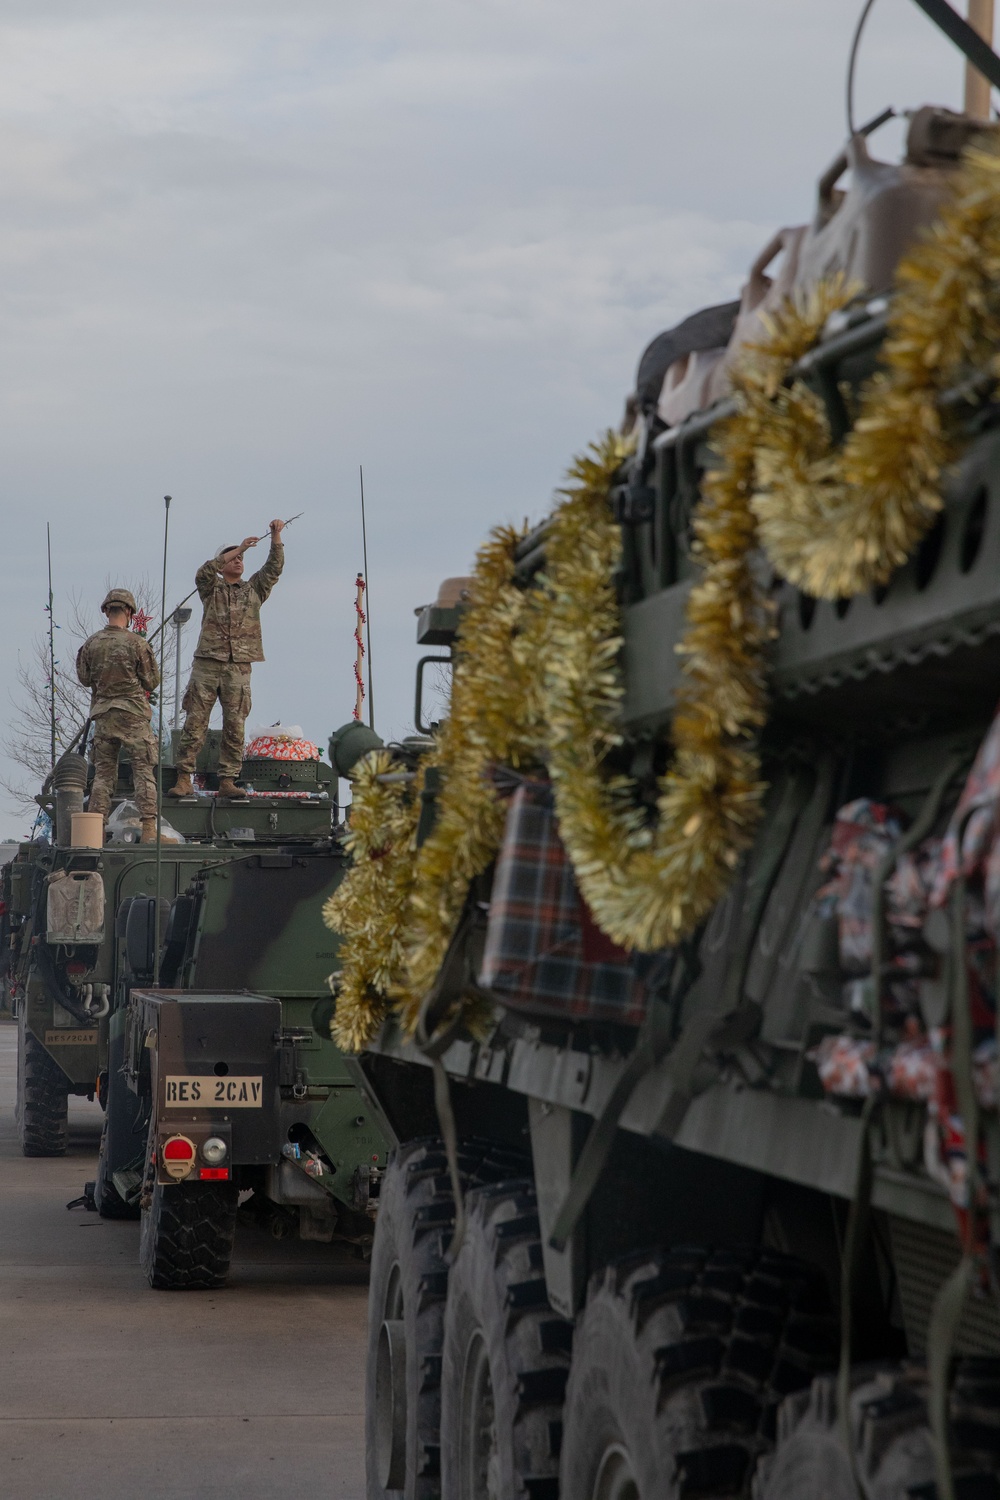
[[544, 953]]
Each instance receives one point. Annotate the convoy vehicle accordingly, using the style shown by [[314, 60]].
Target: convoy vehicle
[[208, 1093], [705, 1217]]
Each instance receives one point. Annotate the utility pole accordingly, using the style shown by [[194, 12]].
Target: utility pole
[[978, 88]]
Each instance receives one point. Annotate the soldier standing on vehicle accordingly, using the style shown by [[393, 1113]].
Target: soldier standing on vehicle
[[228, 646], [120, 669]]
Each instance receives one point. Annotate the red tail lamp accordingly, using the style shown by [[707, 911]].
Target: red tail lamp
[[177, 1154]]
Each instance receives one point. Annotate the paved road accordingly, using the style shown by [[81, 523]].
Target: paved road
[[108, 1389]]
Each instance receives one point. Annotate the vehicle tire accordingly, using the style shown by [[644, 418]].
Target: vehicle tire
[[122, 1134], [406, 1298], [187, 1232], [893, 1449], [42, 1110], [505, 1359], [107, 1199], [680, 1360]]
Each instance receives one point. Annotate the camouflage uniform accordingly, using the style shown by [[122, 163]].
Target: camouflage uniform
[[228, 646], [120, 669]]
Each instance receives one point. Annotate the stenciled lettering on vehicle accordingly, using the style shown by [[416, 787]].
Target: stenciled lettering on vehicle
[[59, 1037], [200, 1090]]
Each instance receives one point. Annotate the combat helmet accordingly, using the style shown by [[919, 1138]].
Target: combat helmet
[[122, 598]]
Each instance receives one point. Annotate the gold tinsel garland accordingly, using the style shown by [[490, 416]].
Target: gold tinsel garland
[[412, 922], [836, 521], [649, 876], [490, 722], [370, 906], [538, 674]]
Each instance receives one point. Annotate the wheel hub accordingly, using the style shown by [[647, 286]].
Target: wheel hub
[[480, 1456], [615, 1480], [390, 1390]]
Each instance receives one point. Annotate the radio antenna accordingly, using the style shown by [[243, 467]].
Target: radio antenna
[[52, 657], [368, 612], [159, 751], [359, 655]]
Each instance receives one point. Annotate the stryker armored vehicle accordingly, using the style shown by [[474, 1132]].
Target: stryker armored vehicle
[[720, 1215], [208, 1093]]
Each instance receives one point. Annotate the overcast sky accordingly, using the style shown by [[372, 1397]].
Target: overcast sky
[[246, 245]]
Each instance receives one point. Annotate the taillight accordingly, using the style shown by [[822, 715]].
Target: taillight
[[177, 1154], [214, 1174]]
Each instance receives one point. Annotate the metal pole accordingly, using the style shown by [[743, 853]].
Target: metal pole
[[978, 88], [159, 755], [966, 38], [368, 613], [177, 668], [179, 619], [52, 658]]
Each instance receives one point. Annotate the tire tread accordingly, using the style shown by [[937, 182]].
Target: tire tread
[[43, 1099]]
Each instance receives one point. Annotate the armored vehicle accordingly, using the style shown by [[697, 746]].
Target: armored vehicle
[[207, 1093], [696, 1083]]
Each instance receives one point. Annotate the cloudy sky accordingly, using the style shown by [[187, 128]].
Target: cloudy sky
[[246, 246]]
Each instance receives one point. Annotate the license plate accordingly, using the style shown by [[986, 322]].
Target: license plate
[[202, 1091]]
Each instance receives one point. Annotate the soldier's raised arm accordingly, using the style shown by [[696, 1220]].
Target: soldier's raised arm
[[264, 580]]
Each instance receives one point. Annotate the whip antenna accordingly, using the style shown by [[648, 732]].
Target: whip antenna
[[159, 751], [359, 657], [368, 614]]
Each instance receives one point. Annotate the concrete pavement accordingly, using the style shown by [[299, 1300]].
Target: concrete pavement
[[112, 1390]]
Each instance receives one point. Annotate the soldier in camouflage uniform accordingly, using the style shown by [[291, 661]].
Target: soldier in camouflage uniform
[[120, 669], [228, 646]]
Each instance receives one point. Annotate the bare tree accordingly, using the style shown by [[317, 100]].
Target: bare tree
[[27, 742]]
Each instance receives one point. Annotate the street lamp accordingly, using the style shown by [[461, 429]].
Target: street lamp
[[178, 619]]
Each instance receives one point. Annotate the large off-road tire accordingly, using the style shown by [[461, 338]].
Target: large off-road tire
[[187, 1233], [406, 1298], [122, 1137], [680, 1360], [505, 1359], [893, 1451], [42, 1109], [107, 1200]]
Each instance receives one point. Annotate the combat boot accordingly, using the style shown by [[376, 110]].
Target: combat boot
[[228, 788], [182, 786], [148, 831]]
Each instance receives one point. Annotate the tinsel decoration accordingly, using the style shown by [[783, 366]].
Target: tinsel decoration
[[835, 522], [538, 677], [491, 721], [405, 908], [370, 906], [650, 875]]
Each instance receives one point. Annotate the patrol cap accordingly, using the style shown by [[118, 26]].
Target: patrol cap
[[120, 597]]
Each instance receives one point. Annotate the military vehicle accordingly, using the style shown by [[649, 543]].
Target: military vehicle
[[715, 1236], [208, 1093]]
